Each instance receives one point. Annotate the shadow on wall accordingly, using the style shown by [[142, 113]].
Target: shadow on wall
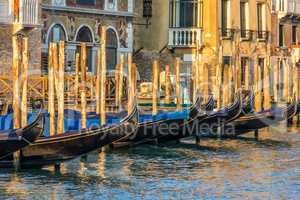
[[144, 60]]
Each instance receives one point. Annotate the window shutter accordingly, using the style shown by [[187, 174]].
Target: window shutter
[[147, 8]]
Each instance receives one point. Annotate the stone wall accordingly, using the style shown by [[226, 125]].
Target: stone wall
[[144, 60], [6, 50]]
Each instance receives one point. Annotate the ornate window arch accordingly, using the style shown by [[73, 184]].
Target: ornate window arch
[[57, 32], [84, 34], [112, 45]]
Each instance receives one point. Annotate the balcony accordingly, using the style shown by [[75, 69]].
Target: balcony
[[246, 35], [262, 36], [288, 8], [25, 13], [184, 37], [227, 33]]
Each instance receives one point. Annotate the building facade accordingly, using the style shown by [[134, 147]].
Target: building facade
[[76, 21], [20, 18], [285, 38], [72, 21], [164, 30]]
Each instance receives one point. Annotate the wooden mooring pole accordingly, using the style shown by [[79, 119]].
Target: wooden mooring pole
[[25, 61], [218, 84], [16, 80], [103, 76], [83, 85], [130, 98], [51, 90], [121, 77], [286, 82], [117, 85], [155, 83], [194, 79], [76, 81], [258, 99], [275, 81], [266, 83], [98, 82], [225, 85], [177, 83], [167, 84], [247, 77], [61, 86]]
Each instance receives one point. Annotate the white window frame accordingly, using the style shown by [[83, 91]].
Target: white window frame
[[247, 14], [115, 6], [61, 2], [228, 22]]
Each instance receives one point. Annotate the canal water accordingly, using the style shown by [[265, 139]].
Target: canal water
[[218, 169]]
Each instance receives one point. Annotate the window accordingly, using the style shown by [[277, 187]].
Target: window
[[261, 21], [244, 63], [111, 4], [57, 34], [86, 2], [85, 35], [281, 5], [225, 14], [280, 35], [259, 17], [274, 5], [294, 35], [147, 8], [185, 13], [111, 49], [244, 18]]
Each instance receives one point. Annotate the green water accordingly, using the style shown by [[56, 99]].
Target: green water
[[219, 169]]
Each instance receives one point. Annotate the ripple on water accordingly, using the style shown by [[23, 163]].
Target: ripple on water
[[223, 169]]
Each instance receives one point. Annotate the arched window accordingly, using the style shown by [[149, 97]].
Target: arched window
[[57, 33], [84, 34], [111, 49]]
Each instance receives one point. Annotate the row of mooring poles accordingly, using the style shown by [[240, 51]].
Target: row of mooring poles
[[56, 86], [20, 64], [156, 81]]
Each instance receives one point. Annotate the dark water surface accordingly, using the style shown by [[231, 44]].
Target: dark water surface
[[219, 169]]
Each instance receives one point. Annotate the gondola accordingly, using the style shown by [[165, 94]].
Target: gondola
[[298, 108], [217, 119], [56, 149], [14, 140], [174, 125], [253, 121]]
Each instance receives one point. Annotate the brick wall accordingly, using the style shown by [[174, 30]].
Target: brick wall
[[6, 50]]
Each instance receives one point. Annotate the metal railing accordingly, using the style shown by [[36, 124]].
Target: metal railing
[[262, 35], [185, 14], [246, 34], [227, 33], [29, 12], [184, 37]]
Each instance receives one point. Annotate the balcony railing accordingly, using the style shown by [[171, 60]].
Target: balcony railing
[[290, 8], [263, 35], [227, 33], [246, 35], [184, 37], [25, 13], [29, 10]]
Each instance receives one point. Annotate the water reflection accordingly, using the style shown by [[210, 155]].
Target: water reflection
[[243, 168]]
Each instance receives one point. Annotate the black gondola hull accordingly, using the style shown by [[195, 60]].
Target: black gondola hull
[[256, 121], [56, 149], [14, 140]]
